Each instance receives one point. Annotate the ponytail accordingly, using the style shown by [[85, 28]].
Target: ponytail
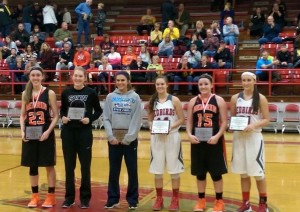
[[152, 100], [255, 102]]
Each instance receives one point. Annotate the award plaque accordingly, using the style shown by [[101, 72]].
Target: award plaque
[[33, 132], [119, 134], [160, 127], [76, 113], [203, 134], [239, 123]]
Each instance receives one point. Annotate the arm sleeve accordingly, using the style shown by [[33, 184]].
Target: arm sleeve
[[225, 30], [107, 117], [135, 123], [78, 9], [96, 106]]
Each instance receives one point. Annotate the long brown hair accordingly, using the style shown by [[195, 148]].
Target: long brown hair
[[154, 97], [125, 74], [29, 86]]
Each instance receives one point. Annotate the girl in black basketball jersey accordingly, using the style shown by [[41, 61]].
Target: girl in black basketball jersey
[[206, 123], [37, 101], [77, 136]]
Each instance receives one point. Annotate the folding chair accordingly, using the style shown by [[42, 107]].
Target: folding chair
[[4, 107], [274, 116], [291, 117]]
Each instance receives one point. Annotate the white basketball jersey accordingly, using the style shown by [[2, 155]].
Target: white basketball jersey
[[166, 111], [244, 108]]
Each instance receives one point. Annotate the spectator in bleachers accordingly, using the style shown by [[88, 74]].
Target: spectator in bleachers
[[36, 44], [37, 15], [230, 32], [96, 55], [264, 63], [127, 58], [82, 57], [270, 32], [146, 23], [114, 58], [27, 54], [171, 31], [227, 12], [216, 30], [138, 64], [182, 19], [210, 44], [58, 14], [197, 41], [21, 36], [11, 59], [166, 47], [27, 16], [204, 64], [151, 75], [223, 57], [168, 12], [10, 44], [47, 60], [84, 14], [62, 35], [282, 7], [257, 22], [193, 55], [186, 74], [284, 57], [278, 16], [156, 35], [6, 19], [296, 57], [4, 51], [106, 44], [32, 61], [65, 61], [67, 16], [49, 18], [37, 31], [104, 72], [145, 55], [100, 19], [200, 30], [17, 14], [18, 65]]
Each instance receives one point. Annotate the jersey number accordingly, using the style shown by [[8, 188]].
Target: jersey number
[[207, 119], [37, 118]]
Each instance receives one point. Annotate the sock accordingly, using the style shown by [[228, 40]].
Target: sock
[[51, 190], [201, 195], [246, 196], [262, 198], [159, 192], [219, 195], [35, 189], [175, 192]]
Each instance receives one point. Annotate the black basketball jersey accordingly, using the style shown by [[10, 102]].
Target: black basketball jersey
[[209, 118], [40, 115]]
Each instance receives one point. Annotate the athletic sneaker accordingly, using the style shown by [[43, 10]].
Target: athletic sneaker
[[174, 206], [84, 205], [245, 207], [159, 204], [263, 207], [35, 198], [49, 201], [110, 205], [219, 206], [201, 205], [133, 206], [56, 78], [67, 204]]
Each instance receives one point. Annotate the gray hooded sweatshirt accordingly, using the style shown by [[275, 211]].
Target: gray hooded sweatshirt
[[122, 116]]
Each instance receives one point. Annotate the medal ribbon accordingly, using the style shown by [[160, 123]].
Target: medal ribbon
[[34, 103], [204, 105]]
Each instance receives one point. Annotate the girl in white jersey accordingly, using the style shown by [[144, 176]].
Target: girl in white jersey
[[248, 145], [166, 148]]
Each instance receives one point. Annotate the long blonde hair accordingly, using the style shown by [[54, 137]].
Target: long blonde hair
[[29, 86]]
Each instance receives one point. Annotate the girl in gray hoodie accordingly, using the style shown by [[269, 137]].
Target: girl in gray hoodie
[[122, 121]]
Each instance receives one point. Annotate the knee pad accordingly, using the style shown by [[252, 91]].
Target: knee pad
[[244, 176], [201, 177], [259, 178], [33, 171], [158, 176], [174, 176], [216, 178]]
